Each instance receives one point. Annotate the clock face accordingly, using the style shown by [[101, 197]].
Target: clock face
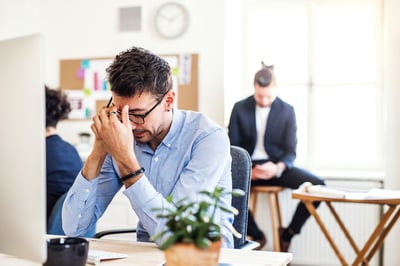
[[172, 20]]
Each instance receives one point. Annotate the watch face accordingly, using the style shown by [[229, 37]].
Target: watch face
[[172, 20]]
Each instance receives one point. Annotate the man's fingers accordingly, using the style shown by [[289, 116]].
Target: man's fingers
[[103, 114], [125, 115], [96, 125], [94, 130], [113, 115]]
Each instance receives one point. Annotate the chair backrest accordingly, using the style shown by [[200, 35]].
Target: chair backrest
[[241, 171], [54, 223], [54, 226]]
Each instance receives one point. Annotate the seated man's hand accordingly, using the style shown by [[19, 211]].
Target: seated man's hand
[[264, 171]]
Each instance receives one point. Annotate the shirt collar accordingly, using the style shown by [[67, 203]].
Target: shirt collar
[[173, 133]]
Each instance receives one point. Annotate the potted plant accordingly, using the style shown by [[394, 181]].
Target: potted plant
[[192, 231]]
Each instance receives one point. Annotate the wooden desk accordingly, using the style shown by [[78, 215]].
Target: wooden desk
[[376, 238], [142, 254]]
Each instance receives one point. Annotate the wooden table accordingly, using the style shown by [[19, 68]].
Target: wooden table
[[142, 254], [376, 238]]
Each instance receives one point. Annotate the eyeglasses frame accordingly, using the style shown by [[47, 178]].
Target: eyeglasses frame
[[137, 115]]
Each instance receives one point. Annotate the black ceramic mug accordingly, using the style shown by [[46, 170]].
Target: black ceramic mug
[[67, 251]]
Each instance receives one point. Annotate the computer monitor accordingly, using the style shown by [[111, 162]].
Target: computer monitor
[[22, 148]]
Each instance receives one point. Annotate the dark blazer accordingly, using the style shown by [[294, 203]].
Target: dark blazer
[[280, 138]]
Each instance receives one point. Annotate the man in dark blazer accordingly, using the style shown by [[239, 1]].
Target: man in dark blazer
[[265, 126]]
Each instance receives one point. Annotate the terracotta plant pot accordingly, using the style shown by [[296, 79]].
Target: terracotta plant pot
[[189, 255]]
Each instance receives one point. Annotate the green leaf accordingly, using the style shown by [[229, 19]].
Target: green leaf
[[169, 198], [228, 209], [159, 235], [237, 192], [193, 221], [169, 241], [203, 243]]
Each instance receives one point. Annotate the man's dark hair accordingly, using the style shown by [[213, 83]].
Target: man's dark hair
[[265, 76], [137, 70], [57, 106]]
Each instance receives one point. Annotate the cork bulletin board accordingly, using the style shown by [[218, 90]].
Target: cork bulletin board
[[84, 82]]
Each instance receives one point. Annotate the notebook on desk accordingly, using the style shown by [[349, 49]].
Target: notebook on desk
[[219, 264], [379, 193], [373, 193], [96, 256]]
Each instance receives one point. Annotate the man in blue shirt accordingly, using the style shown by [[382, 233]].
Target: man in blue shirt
[[150, 147]]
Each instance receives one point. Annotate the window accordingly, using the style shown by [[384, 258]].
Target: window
[[327, 63]]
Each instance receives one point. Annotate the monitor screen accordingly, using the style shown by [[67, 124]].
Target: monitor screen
[[22, 143]]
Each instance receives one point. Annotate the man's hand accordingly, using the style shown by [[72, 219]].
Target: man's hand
[[116, 135], [99, 150], [265, 171]]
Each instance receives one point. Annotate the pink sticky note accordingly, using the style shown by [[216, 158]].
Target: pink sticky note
[[80, 73], [96, 81]]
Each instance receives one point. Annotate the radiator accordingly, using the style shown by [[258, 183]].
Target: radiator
[[310, 247]]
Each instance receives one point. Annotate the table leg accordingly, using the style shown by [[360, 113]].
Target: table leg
[[384, 233], [343, 227], [313, 212], [276, 220], [346, 232], [379, 234], [253, 202]]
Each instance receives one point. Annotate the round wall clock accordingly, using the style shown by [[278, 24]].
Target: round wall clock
[[172, 20]]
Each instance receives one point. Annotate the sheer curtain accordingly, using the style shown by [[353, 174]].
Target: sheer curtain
[[327, 62]]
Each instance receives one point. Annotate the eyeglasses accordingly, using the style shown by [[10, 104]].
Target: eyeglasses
[[136, 118]]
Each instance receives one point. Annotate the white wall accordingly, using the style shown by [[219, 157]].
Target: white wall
[[19, 18], [76, 29], [233, 55]]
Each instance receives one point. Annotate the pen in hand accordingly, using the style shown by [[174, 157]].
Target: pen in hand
[[109, 102]]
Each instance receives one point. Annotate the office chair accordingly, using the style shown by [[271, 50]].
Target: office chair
[[54, 223], [241, 171]]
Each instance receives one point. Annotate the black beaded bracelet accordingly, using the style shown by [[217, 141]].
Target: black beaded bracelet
[[133, 174]]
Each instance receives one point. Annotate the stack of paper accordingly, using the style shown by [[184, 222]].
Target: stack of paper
[[96, 256], [378, 193], [374, 193], [326, 191]]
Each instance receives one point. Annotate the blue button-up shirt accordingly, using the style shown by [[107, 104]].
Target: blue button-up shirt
[[194, 156]]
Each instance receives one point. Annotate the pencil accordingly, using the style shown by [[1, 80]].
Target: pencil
[[109, 102]]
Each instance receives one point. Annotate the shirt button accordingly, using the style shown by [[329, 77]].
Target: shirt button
[[169, 144], [79, 215], [156, 159], [87, 190]]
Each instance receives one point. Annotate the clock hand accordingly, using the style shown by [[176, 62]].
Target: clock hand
[[169, 19], [177, 16]]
